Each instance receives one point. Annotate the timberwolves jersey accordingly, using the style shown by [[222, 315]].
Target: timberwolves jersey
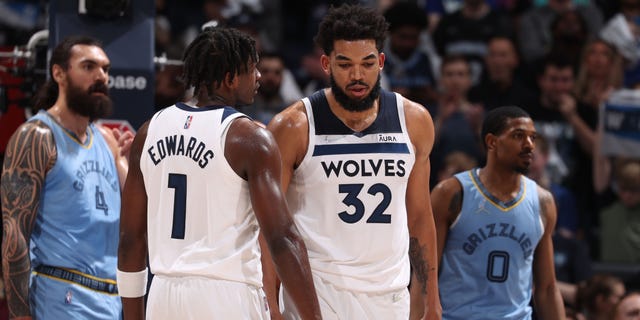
[[199, 214], [347, 197], [486, 268], [77, 225]]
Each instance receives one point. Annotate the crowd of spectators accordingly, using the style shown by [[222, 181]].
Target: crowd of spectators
[[557, 59]]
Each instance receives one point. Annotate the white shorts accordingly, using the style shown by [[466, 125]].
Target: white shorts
[[345, 305], [204, 298]]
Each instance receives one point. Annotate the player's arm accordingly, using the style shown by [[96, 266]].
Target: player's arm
[[289, 128], [422, 231], [30, 153], [132, 248], [120, 144], [253, 153], [447, 203], [547, 298]]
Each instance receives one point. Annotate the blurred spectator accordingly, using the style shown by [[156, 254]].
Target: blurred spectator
[[436, 9], [408, 69], [312, 76], [169, 87], [556, 81], [620, 222], [456, 120], [500, 85], [600, 72], [272, 95], [629, 307], [534, 31], [466, 32], [623, 31], [164, 41], [455, 162], [568, 36], [598, 296], [567, 223]]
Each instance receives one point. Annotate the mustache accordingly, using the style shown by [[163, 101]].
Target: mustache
[[99, 87], [357, 82]]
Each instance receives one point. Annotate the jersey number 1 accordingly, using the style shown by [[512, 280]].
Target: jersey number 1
[[178, 182]]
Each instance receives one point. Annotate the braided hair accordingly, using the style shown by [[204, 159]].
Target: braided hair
[[214, 53]]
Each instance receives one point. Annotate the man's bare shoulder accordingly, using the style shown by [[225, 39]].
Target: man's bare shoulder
[[447, 187], [293, 118], [32, 140], [35, 128], [31, 134]]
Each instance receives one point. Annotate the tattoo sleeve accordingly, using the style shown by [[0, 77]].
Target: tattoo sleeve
[[30, 152], [418, 263]]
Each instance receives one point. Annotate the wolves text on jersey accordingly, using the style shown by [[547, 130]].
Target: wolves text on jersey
[[175, 145], [365, 167]]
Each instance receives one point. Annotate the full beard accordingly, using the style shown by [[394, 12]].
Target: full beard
[[352, 105], [83, 103]]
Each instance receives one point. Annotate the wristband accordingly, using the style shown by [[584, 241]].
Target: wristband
[[132, 284]]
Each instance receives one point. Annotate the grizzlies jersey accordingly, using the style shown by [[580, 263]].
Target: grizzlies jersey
[[486, 268], [347, 197], [77, 225], [199, 214]]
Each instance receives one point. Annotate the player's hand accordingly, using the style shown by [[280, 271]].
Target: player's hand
[[567, 105], [124, 138]]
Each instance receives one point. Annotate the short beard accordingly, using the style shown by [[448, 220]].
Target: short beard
[[349, 104], [83, 103], [522, 170]]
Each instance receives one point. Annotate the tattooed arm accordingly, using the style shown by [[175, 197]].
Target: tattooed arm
[[547, 299], [29, 155], [425, 299]]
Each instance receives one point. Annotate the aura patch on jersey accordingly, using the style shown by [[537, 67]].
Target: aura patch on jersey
[[179, 145]]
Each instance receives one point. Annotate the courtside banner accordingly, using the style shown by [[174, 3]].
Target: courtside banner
[[620, 117]]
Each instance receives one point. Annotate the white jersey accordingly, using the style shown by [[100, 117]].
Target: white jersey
[[200, 221], [347, 197]]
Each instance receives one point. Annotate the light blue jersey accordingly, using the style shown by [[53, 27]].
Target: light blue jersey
[[76, 230], [486, 268]]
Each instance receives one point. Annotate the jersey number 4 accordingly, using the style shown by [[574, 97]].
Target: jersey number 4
[[352, 200]]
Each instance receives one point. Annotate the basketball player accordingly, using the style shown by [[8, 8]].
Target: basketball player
[[356, 171], [61, 186], [494, 230], [196, 173]]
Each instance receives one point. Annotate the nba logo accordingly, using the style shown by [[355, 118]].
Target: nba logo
[[187, 123]]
